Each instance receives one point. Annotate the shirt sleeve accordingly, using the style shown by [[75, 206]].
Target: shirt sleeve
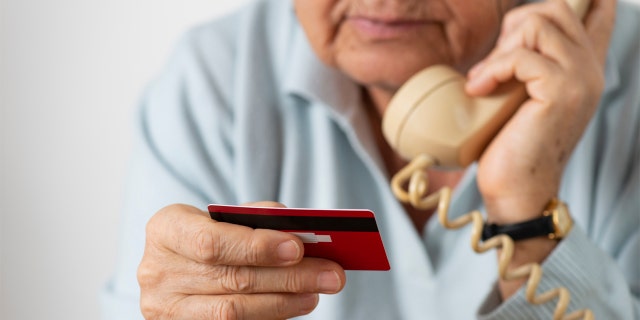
[[593, 278]]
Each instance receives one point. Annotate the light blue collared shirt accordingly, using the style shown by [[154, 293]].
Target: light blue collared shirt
[[244, 111]]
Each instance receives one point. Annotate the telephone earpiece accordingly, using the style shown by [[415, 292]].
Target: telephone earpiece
[[431, 114]]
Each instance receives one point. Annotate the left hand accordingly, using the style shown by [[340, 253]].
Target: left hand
[[561, 62]]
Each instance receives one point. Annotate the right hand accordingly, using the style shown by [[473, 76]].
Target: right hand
[[197, 268]]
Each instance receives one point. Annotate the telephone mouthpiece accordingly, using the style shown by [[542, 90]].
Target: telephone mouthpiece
[[432, 114]]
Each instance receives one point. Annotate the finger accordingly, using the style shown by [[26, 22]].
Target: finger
[[190, 232], [246, 307], [539, 34], [524, 65], [557, 12], [599, 24], [311, 275]]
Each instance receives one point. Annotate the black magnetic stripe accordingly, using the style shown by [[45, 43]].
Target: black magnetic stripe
[[256, 221]]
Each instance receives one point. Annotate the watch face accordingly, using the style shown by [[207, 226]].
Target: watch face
[[562, 220]]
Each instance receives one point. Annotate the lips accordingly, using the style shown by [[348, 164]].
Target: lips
[[383, 29]]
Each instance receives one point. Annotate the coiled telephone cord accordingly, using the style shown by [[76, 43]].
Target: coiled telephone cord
[[415, 173]]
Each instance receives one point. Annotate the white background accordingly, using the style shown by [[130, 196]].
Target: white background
[[71, 72]]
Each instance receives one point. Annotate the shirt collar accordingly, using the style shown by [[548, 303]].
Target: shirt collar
[[310, 79]]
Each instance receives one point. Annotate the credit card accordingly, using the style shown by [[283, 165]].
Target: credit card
[[348, 237]]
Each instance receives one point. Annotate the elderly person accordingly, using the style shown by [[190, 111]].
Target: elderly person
[[283, 102]]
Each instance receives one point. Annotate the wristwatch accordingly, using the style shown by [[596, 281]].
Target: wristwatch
[[555, 223]]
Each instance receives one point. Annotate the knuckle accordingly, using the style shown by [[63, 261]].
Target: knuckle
[[166, 212], [153, 224], [150, 309], [509, 21], [282, 306], [236, 279], [158, 222], [226, 309], [253, 250], [204, 244], [292, 283], [534, 20], [154, 308], [150, 312], [535, 23], [520, 53], [574, 96], [148, 275]]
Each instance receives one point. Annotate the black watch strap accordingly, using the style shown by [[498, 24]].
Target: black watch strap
[[542, 226]]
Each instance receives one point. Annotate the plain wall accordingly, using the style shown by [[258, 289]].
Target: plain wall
[[71, 72]]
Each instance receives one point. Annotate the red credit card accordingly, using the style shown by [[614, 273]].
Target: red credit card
[[348, 237]]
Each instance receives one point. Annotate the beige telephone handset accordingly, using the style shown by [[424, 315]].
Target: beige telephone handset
[[433, 122]]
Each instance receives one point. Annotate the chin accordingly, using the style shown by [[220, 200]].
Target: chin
[[387, 71]]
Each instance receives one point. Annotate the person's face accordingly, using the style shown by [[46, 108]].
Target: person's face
[[381, 43]]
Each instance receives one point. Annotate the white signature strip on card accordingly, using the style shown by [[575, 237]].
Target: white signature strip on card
[[308, 237]]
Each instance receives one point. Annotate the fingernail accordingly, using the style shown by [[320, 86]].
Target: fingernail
[[308, 302], [471, 83], [329, 282], [288, 251]]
